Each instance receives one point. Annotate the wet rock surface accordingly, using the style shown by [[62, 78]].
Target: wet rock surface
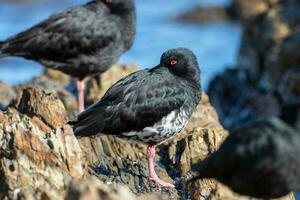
[[267, 72], [41, 159]]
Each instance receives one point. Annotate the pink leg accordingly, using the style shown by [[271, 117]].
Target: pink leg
[[152, 173], [80, 92]]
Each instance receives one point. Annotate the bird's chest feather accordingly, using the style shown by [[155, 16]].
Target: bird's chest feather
[[167, 127]]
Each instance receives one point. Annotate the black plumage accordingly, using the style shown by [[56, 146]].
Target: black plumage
[[260, 159], [79, 41], [290, 114], [143, 98], [148, 106]]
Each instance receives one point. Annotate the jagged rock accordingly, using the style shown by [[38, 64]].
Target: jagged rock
[[51, 82], [46, 106], [93, 189], [39, 154], [7, 94], [56, 82]]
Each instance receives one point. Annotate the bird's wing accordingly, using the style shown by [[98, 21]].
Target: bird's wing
[[131, 104], [80, 29]]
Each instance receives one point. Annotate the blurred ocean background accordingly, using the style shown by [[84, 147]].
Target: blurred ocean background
[[215, 44]]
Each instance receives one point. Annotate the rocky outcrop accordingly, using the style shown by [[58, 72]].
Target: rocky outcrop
[[267, 72], [200, 14], [245, 10], [93, 189], [41, 159], [39, 153], [238, 10]]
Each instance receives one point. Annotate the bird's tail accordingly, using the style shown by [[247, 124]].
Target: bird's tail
[[86, 127]]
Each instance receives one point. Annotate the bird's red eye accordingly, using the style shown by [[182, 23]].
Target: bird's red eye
[[109, 1], [173, 62]]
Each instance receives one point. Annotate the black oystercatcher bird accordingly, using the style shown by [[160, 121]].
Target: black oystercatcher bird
[[79, 41], [260, 159], [148, 106]]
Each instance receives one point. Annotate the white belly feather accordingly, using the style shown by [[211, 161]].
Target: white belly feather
[[167, 127]]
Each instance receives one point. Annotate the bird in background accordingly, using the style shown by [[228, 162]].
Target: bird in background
[[260, 159], [80, 41], [149, 106], [290, 113]]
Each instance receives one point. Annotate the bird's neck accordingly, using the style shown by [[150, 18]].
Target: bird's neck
[[194, 81], [195, 92]]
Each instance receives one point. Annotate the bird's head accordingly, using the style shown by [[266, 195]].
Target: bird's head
[[182, 62], [119, 7]]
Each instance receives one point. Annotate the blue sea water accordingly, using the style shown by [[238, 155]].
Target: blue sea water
[[215, 44]]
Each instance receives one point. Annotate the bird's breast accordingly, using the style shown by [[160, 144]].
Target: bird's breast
[[162, 130]]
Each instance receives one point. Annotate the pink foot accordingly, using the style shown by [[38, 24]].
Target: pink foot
[[162, 183], [80, 92], [152, 173]]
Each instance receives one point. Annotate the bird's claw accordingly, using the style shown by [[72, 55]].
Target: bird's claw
[[162, 183]]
